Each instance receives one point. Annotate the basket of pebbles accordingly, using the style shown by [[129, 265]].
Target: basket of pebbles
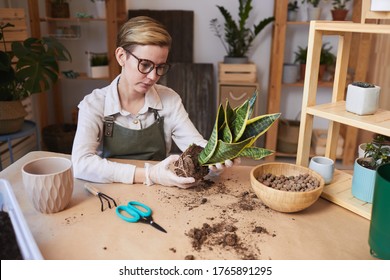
[[286, 187]]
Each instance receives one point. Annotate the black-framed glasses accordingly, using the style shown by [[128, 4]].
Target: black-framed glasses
[[146, 66]]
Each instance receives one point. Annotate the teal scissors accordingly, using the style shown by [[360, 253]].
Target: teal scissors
[[137, 215]]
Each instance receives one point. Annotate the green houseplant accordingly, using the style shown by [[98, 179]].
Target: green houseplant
[[233, 135], [292, 10], [35, 71], [237, 36], [339, 11], [376, 153], [99, 65], [327, 58]]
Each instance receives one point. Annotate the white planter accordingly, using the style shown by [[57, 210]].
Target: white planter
[[380, 5], [313, 13], [99, 72], [100, 8], [362, 101]]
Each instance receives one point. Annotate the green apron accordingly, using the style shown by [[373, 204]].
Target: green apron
[[143, 144]]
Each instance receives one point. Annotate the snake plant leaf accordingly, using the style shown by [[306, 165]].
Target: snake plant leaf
[[258, 126], [226, 151], [255, 153], [211, 145], [242, 114], [227, 133]]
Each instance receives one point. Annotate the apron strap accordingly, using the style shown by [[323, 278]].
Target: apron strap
[[108, 126]]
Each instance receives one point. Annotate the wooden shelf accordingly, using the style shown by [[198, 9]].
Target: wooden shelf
[[339, 192], [377, 123]]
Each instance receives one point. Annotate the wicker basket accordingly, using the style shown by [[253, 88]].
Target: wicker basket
[[12, 115], [284, 201]]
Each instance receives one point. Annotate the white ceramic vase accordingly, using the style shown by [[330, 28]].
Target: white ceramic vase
[[362, 101]]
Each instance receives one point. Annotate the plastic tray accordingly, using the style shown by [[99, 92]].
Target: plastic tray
[[9, 204]]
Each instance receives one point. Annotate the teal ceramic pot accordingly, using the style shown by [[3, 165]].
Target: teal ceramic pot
[[363, 181], [379, 236]]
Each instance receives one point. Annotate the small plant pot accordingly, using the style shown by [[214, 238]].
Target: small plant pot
[[313, 13], [339, 14], [235, 60], [99, 72], [292, 15], [362, 101], [380, 5], [363, 181]]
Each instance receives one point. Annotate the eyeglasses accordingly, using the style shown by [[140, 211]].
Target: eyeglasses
[[146, 66]]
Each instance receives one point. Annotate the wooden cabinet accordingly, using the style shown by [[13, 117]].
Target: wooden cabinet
[[339, 191], [236, 93], [116, 14]]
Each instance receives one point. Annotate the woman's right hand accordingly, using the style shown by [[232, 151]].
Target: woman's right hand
[[162, 175]]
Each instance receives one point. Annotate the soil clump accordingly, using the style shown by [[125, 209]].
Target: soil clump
[[188, 165]]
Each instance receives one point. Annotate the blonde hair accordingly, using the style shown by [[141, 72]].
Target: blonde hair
[[143, 30]]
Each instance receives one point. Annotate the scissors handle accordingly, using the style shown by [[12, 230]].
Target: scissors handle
[[134, 212]]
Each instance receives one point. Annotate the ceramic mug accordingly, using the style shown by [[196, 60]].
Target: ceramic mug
[[323, 166], [49, 183]]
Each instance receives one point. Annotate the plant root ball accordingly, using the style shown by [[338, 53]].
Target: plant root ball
[[188, 165]]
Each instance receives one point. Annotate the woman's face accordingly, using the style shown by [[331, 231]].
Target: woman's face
[[134, 79]]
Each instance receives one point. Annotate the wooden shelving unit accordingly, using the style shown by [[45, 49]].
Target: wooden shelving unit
[[339, 191], [116, 14], [276, 86]]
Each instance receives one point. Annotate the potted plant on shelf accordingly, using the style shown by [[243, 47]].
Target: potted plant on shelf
[[327, 58], [339, 11], [362, 98], [313, 9], [376, 153], [100, 8], [238, 36], [35, 71], [59, 9], [292, 11], [99, 65]]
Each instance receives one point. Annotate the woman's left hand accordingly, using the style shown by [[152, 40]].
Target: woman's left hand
[[218, 168]]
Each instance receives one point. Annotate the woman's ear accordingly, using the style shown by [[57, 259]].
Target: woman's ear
[[120, 55]]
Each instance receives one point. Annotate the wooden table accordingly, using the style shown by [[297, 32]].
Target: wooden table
[[82, 231]]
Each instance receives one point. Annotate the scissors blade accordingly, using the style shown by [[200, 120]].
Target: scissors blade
[[157, 226]]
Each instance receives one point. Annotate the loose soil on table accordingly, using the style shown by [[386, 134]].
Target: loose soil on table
[[221, 231], [9, 249]]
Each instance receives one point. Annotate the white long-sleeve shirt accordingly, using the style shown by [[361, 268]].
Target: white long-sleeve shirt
[[87, 145]]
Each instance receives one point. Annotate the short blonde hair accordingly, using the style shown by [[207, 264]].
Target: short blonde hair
[[143, 30]]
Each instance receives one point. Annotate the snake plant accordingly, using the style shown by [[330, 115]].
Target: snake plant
[[234, 133]]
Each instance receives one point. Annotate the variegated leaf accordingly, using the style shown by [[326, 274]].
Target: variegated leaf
[[258, 126], [255, 153], [226, 151], [211, 145]]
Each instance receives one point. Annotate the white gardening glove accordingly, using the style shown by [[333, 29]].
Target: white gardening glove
[[162, 175], [217, 169]]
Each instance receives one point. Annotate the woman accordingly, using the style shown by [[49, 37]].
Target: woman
[[134, 117]]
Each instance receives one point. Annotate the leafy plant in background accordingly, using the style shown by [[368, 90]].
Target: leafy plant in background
[[326, 58], [378, 151], [237, 35], [99, 59], [36, 68], [314, 3], [339, 4], [292, 6]]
